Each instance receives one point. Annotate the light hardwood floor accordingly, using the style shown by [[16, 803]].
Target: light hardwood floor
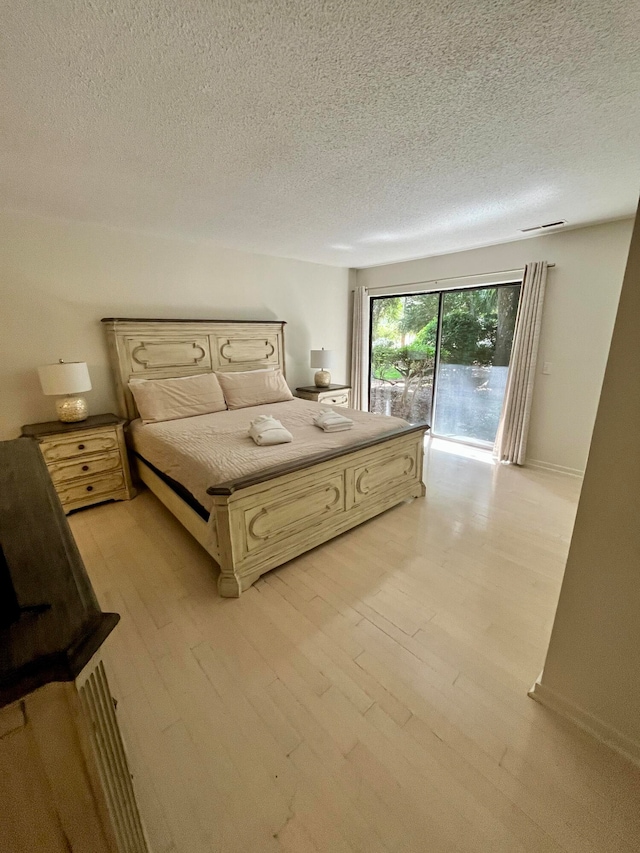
[[368, 696]]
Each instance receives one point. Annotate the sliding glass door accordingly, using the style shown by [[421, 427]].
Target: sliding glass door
[[442, 357], [403, 355], [475, 346]]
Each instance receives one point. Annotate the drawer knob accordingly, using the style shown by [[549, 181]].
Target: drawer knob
[[85, 467], [89, 488], [81, 447]]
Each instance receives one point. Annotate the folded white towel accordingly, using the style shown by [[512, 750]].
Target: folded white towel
[[332, 421], [267, 430]]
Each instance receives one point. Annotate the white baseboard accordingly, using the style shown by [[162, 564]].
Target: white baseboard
[[551, 466], [548, 697]]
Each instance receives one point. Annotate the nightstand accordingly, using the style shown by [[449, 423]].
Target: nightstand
[[332, 395], [87, 460]]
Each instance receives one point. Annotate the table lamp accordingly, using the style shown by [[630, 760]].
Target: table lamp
[[68, 378], [322, 358]]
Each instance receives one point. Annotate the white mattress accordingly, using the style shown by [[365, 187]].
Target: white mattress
[[207, 450]]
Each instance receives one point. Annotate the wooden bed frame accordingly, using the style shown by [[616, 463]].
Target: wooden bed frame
[[260, 521]]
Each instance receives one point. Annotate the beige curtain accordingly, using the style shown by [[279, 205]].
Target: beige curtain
[[511, 439], [360, 349]]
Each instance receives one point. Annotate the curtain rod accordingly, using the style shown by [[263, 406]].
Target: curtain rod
[[452, 278]]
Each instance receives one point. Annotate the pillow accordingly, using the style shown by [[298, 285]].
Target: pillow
[[168, 399], [254, 388]]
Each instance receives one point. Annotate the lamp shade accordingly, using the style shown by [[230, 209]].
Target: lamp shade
[[322, 358], [66, 377]]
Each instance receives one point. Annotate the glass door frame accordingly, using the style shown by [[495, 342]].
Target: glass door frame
[[437, 348], [483, 445]]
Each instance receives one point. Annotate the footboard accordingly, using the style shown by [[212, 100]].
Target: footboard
[[264, 523]]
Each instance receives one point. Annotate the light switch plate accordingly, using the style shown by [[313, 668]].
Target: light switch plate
[[547, 367]]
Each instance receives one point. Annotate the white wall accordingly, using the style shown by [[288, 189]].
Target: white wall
[[580, 307], [57, 279], [592, 671]]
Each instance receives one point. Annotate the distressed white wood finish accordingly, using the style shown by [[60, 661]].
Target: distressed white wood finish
[[155, 349], [102, 463], [89, 466], [330, 398], [88, 491], [110, 758], [79, 444], [263, 526], [258, 527], [66, 783]]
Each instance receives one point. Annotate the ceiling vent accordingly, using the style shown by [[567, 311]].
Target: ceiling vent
[[543, 227]]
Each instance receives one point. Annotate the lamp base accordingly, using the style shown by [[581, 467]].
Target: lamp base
[[72, 409], [322, 379]]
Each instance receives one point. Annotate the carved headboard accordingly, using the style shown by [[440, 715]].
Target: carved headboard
[[162, 349]]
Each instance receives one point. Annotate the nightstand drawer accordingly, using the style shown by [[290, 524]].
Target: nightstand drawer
[[334, 395], [339, 399], [105, 463], [85, 490], [79, 445]]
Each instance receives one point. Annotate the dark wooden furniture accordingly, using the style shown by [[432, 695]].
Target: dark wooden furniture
[[61, 755]]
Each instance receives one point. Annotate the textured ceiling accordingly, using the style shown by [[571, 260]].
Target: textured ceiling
[[349, 132]]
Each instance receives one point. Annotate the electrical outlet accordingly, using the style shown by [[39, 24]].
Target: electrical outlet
[[547, 367]]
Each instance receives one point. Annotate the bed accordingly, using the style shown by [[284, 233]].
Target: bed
[[271, 506]]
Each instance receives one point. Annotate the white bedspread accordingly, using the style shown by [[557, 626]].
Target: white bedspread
[[206, 450]]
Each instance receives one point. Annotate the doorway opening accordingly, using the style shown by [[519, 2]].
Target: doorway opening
[[442, 357]]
